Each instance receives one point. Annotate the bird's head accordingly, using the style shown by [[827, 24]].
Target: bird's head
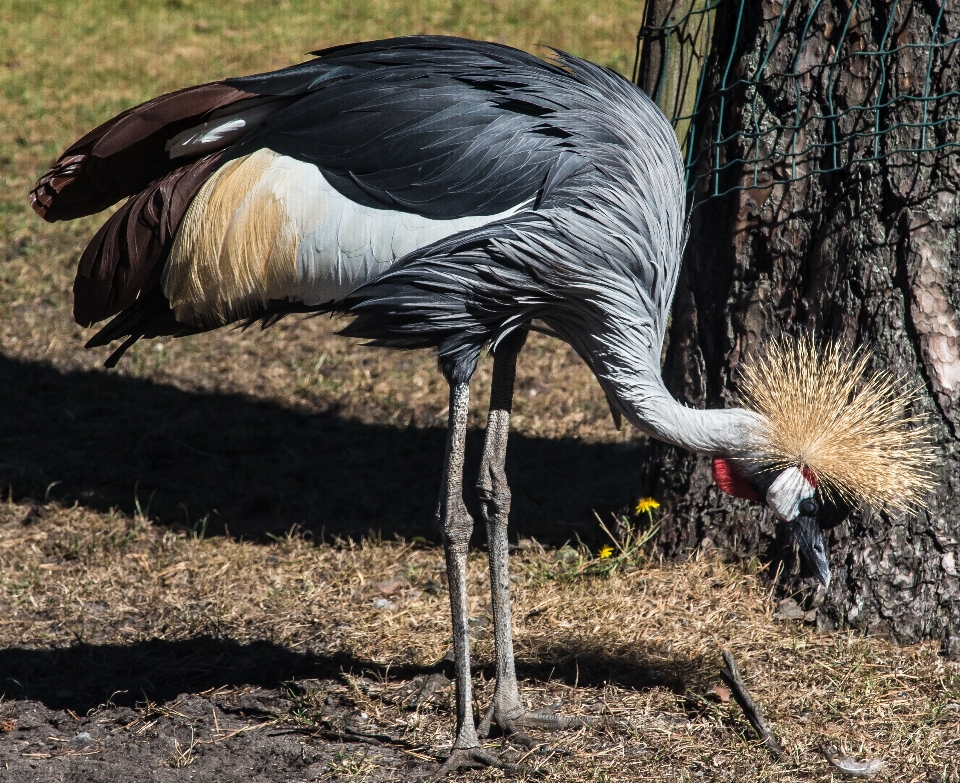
[[791, 495], [826, 430]]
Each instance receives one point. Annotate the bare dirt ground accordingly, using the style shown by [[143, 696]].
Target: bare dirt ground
[[218, 564]]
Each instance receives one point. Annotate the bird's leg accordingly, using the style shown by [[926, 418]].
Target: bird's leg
[[507, 709], [494, 492], [456, 525]]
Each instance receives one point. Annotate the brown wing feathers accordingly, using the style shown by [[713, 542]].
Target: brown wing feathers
[[125, 258], [126, 156]]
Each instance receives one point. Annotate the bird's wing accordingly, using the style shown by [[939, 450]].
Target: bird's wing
[[511, 187], [439, 127], [124, 155], [598, 262], [434, 129], [269, 228]]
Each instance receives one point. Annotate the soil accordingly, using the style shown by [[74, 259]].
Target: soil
[[227, 735], [130, 651]]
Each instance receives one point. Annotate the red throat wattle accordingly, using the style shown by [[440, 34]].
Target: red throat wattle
[[732, 481]]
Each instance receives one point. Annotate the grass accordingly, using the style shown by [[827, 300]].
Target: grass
[[209, 500], [639, 645]]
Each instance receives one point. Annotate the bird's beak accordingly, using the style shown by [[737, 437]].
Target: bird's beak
[[806, 530]]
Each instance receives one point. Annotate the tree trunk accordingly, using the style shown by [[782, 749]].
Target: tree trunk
[[868, 254], [672, 47]]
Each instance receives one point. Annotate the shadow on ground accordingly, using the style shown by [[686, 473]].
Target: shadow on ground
[[84, 676], [256, 468]]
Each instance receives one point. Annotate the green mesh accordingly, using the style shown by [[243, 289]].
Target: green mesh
[[800, 139]]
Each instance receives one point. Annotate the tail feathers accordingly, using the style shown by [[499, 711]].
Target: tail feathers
[[125, 154], [149, 316], [152, 316], [125, 259]]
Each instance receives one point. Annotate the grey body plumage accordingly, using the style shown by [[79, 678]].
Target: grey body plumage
[[596, 258], [599, 251]]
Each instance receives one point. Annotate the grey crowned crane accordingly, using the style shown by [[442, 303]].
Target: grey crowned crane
[[446, 193]]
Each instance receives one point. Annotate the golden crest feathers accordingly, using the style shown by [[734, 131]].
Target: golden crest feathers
[[823, 413]]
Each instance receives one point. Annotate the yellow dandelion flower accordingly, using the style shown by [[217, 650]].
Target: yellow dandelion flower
[[605, 552], [646, 505]]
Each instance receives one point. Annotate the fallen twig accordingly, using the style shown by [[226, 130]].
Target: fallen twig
[[234, 733], [731, 676], [349, 736]]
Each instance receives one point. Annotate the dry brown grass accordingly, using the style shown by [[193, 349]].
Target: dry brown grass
[[642, 647], [261, 432]]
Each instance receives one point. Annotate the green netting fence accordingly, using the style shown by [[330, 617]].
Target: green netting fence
[[811, 88]]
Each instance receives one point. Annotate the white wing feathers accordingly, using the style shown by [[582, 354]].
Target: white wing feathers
[[223, 128], [270, 227]]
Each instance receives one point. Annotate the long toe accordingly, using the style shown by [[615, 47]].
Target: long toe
[[545, 721], [534, 719], [550, 721]]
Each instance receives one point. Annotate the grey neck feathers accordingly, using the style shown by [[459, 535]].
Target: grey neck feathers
[[626, 361], [722, 431]]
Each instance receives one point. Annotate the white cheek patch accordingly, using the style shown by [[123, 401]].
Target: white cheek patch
[[787, 491]]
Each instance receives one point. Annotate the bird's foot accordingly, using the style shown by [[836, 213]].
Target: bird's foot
[[476, 758], [533, 719]]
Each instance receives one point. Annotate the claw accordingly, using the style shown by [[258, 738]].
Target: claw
[[523, 738], [546, 721], [475, 758], [483, 730]]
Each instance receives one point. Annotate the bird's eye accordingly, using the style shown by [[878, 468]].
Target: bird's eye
[[809, 507]]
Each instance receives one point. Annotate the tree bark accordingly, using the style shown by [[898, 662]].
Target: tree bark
[[671, 49], [868, 255]]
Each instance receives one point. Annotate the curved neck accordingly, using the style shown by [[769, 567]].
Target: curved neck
[[623, 350], [627, 365], [722, 431]]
